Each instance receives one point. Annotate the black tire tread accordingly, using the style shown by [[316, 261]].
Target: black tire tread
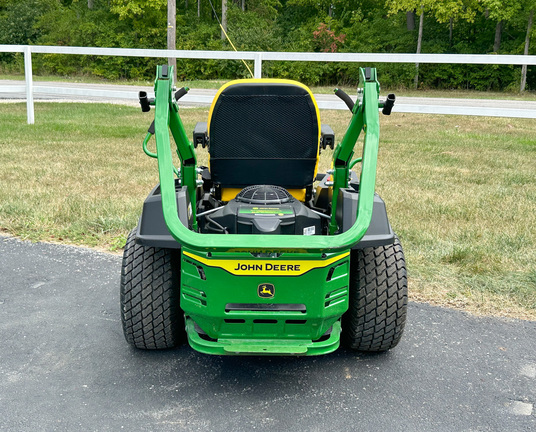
[[150, 311], [377, 312]]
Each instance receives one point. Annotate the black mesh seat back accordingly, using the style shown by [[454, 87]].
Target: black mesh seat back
[[264, 133]]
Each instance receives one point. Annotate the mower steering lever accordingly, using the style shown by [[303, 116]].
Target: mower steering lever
[[388, 104], [181, 92], [345, 98], [145, 102]]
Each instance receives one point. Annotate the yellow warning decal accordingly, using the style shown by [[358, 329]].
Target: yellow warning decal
[[273, 267]]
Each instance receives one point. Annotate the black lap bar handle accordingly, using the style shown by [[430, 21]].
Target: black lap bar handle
[[345, 98], [144, 101], [388, 104], [181, 92]]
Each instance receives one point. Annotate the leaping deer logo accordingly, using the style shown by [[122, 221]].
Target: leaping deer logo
[[266, 290]]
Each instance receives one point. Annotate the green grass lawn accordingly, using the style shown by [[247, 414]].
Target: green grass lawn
[[460, 192]]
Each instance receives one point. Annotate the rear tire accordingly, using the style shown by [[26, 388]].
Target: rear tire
[[378, 298], [150, 287]]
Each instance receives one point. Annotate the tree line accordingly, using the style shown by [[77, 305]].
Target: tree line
[[380, 26]]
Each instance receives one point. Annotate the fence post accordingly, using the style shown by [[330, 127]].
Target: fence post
[[258, 65], [29, 84]]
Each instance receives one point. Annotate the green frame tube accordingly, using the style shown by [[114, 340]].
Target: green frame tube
[[365, 117], [145, 142]]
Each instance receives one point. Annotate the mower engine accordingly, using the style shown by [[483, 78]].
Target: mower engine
[[262, 209]]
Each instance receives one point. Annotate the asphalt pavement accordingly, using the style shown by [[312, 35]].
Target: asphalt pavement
[[128, 95], [64, 366]]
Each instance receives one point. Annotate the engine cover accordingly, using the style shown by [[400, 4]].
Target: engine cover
[[263, 209]]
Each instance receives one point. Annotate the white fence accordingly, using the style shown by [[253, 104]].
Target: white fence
[[259, 57]]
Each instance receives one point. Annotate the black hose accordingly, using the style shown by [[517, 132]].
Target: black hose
[[213, 222]]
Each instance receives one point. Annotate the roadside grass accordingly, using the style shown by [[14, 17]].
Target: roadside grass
[[460, 192], [351, 90]]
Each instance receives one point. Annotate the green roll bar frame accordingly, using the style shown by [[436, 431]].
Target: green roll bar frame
[[365, 117]]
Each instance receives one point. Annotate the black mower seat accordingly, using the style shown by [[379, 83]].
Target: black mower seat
[[263, 131]]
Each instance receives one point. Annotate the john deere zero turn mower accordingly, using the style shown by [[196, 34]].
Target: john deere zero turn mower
[[258, 253]]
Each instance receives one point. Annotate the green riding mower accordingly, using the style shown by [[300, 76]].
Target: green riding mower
[[259, 254]]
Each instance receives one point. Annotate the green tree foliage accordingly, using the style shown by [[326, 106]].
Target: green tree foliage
[[502, 10], [137, 8], [18, 19], [450, 26], [456, 10]]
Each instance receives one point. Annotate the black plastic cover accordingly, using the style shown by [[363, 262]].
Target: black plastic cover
[[328, 137], [379, 232], [152, 229], [200, 134]]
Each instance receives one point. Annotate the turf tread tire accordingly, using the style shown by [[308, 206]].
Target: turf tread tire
[[149, 290], [376, 315]]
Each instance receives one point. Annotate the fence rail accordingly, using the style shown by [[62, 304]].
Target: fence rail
[[259, 57]]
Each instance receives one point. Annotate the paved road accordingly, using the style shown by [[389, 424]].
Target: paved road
[[65, 366], [128, 95]]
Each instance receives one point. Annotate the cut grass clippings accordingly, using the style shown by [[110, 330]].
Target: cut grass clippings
[[460, 192]]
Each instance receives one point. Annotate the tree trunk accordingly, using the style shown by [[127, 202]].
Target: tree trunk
[[243, 5], [223, 18], [419, 44], [410, 20], [198, 8], [90, 4], [497, 42], [526, 52], [171, 34], [451, 25]]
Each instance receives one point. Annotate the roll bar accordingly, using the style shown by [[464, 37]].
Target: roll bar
[[365, 116]]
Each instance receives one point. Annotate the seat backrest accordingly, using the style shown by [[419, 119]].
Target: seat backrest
[[264, 131]]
